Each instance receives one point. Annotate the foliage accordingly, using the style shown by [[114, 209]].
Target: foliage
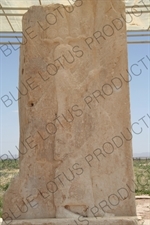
[[9, 164], [142, 176], [8, 168]]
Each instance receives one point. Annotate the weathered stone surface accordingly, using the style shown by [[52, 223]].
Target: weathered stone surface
[[89, 221], [75, 144]]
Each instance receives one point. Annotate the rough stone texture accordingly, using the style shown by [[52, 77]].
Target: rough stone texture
[[89, 221], [75, 149]]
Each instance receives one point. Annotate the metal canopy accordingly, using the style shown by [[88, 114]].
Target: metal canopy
[[11, 12]]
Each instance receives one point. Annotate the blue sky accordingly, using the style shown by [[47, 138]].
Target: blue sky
[[139, 98], [140, 94]]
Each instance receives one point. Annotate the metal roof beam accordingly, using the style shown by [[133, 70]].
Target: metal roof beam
[[138, 35], [128, 42], [19, 32], [11, 14], [139, 6], [10, 36], [148, 11], [21, 14], [6, 18], [15, 8], [128, 35], [26, 8], [138, 42], [138, 31]]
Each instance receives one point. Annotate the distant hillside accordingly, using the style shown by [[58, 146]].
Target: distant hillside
[[141, 155], [5, 156], [135, 155]]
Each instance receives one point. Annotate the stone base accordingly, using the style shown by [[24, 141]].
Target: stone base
[[83, 221]]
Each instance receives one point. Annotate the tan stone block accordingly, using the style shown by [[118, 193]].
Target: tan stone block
[[75, 145]]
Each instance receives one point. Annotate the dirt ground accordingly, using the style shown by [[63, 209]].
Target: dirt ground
[[143, 209]]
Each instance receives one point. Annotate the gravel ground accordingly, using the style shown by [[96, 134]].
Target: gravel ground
[[143, 209]]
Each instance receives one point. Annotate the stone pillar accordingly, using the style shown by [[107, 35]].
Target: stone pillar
[[75, 138]]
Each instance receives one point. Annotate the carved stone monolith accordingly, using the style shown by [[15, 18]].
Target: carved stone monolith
[[75, 139]]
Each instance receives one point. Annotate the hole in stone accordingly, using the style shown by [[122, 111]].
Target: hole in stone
[[22, 71], [31, 104]]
